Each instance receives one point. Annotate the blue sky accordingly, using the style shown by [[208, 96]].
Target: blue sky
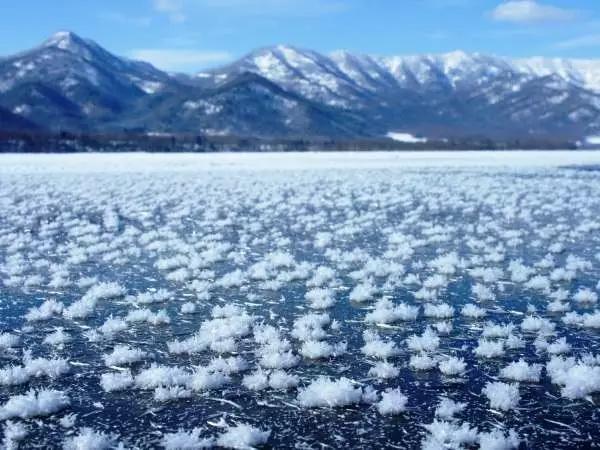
[[189, 35]]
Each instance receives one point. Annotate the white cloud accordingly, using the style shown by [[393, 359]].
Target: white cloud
[[119, 18], [177, 10], [527, 11], [180, 59], [591, 40], [279, 7], [172, 8]]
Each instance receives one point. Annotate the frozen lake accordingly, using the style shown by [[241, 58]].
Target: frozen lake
[[301, 300]]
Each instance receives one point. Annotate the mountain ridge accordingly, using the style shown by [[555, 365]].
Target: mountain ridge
[[71, 83]]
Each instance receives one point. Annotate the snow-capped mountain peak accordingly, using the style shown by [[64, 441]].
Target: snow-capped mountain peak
[[70, 42], [329, 75], [585, 73], [62, 40]]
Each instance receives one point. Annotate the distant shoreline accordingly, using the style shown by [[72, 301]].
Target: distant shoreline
[[67, 142]]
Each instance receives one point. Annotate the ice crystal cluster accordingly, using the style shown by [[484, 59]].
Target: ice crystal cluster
[[439, 307]]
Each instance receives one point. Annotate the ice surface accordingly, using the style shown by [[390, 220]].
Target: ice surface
[[310, 300]]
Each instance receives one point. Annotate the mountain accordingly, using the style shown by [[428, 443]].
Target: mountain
[[70, 83], [440, 95], [245, 104]]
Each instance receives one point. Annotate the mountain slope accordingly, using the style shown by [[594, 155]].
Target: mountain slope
[[14, 122], [74, 83], [246, 104]]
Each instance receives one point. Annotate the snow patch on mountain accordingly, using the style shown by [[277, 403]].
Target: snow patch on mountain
[[593, 140], [405, 137]]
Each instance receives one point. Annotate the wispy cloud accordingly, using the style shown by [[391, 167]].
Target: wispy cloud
[[178, 10], [178, 60], [279, 7], [529, 11], [174, 9], [590, 40], [116, 17]]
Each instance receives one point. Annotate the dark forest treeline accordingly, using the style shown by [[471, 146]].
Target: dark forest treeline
[[66, 142]]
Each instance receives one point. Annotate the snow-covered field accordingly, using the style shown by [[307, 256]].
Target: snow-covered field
[[319, 300]]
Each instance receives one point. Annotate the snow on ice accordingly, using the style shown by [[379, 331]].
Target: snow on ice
[[369, 300]]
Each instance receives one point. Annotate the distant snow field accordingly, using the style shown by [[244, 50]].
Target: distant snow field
[[427, 300], [189, 162], [405, 137], [593, 140]]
